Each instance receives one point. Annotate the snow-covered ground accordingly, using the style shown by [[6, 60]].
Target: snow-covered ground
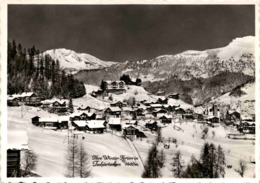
[[189, 142], [50, 147]]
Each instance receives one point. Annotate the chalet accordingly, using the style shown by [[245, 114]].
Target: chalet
[[188, 114], [131, 122], [116, 87], [197, 116], [118, 104], [139, 112], [13, 101], [97, 94], [49, 123], [179, 111], [127, 111], [151, 125], [59, 106], [213, 120], [35, 120], [132, 132], [82, 116], [115, 124], [63, 122], [159, 112], [96, 126], [80, 125], [113, 111], [174, 96], [30, 98], [166, 119], [233, 116], [15, 146], [162, 101], [247, 125]]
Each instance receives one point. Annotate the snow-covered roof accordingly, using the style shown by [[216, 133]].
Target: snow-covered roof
[[96, 123], [17, 140], [54, 120], [114, 121], [114, 109], [156, 105], [27, 94], [64, 118], [80, 123], [50, 101], [127, 109], [167, 116]]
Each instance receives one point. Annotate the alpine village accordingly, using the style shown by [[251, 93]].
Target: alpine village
[[165, 117]]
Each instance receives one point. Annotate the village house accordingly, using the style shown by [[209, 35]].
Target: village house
[[188, 114], [159, 112], [132, 132], [166, 119], [115, 124], [233, 116], [35, 120], [131, 122], [80, 125], [82, 116], [213, 121], [127, 111], [179, 111], [96, 126], [174, 96], [116, 87], [30, 98], [139, 112], [13, 101], [49, 123], [63, 122], [247, 125], [14, 157], [152, 125], [162, 101], [113, 112]]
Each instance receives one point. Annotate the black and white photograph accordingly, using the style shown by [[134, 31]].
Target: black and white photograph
[[130, 91]]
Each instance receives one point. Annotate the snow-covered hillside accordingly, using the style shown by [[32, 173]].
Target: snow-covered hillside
[[73, 62], [245, 104]]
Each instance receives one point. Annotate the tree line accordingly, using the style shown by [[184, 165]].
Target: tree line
[[30, 70]]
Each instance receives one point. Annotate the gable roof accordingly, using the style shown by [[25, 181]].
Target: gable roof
[[114, 121], [96, 123], [27, 94], [80, 123], [114, 109]]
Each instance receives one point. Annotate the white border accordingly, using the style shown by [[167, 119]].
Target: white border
[[3, 79]]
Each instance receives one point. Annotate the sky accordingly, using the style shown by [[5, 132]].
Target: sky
[[129, 32]]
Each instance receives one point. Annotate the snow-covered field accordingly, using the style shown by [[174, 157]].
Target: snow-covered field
[[189, 142], [50, 147]]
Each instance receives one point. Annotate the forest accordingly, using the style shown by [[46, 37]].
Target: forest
[[31, 71]]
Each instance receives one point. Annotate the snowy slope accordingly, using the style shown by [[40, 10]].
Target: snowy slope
[[72, 61], [244, 104]]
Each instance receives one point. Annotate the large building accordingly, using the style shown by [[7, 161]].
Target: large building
[[116, 87]]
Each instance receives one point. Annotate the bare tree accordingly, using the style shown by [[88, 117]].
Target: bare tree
[[242, 168], [29, 163], [72, 153], [83, 169], [177, 164]]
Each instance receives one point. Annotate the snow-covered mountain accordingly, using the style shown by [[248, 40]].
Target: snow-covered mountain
[[238, 56], [71, 61]]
